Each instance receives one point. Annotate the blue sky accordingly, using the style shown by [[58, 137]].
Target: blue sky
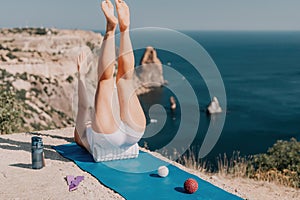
[[175, 14]]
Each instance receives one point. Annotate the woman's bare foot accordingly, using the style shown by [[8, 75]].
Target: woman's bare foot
[[108, 10], [123, 15]]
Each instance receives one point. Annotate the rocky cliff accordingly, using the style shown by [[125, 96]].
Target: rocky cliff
[[39, 65]]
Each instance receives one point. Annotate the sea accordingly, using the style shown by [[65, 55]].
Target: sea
[[261, 74]]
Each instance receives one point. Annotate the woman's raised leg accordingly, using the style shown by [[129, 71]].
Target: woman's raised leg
[[131, 111], [83, 107], [106, 112]]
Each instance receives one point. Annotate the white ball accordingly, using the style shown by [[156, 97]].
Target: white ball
[[163, 171]]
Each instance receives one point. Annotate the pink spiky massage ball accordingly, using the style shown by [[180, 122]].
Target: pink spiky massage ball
[[190, 186]]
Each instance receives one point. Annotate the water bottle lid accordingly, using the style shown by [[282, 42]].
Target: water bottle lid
[[36, 142]]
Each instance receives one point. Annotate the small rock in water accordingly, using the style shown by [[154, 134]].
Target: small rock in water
[[214, 106], [153, 120]]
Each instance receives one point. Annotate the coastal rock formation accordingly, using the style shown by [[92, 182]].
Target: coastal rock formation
[[39, 65], [214, 106], [43, 51], [172, 103], [150, 73]]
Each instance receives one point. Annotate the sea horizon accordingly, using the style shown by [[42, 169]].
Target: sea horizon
[[261, 75]]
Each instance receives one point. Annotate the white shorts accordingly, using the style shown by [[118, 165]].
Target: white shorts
[[119, 145]]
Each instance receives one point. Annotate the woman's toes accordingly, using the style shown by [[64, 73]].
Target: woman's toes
[[108, 10], [123, 14]]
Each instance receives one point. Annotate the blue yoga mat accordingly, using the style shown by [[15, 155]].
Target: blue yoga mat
[[138, 179]]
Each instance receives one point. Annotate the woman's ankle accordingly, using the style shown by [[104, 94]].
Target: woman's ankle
[[109, 34]]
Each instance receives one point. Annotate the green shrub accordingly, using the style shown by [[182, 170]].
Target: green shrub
[[281, 163], [36, 126], [10, 111], [283, 155], [70, 79], [36, 91], [21, 94], [24, 76], [2, 58], [16, 50], [40, 31], [90, 45], [11, 56]]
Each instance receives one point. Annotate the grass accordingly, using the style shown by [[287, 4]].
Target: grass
[[190, 160], [235, 166], [283, 170]]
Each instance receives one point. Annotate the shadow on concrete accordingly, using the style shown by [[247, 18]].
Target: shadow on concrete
[[22, 165], [13, 145], [67, 139]]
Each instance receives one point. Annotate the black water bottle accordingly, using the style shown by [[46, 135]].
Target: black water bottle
[[37, 152]]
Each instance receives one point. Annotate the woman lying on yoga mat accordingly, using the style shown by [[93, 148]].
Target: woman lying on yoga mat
[[118, 122]]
